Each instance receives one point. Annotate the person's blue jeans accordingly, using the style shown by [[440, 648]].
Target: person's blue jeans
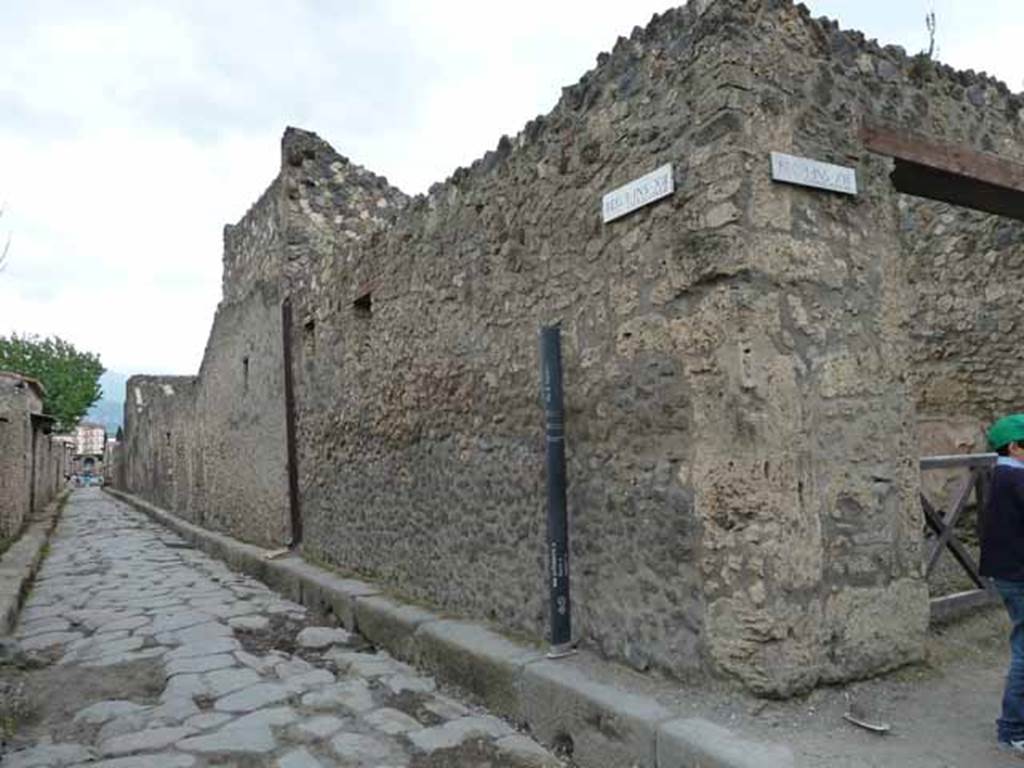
[[1010, 725]]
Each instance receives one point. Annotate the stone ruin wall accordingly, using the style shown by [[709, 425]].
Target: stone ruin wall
[[740, 408], [739, 357], [211, 447], [423, 463], [811, 86], [32, 465], [155, 412], [15, 455], [967, 276]]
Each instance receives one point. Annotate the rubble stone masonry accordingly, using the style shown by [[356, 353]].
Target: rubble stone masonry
[[738, 357], [211, 447], [33, 466]]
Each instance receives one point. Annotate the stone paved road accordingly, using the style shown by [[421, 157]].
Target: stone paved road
[[158, 657]]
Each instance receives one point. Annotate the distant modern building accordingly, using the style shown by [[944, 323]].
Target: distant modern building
[[90, 441], [90, 438]]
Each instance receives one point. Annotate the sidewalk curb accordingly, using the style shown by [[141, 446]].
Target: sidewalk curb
[[19, 564], [608, 727]]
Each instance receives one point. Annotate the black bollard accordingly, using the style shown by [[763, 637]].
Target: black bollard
[[558, 526]]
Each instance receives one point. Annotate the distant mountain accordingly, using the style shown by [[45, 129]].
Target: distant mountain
[[109, 410]]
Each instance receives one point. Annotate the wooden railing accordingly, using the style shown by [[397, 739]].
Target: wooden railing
[[942, 519]]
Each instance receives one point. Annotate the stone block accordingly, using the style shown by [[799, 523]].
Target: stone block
[[608, 726], [318, 638], [453, 733], [353, 695], [102, 711], [10, 597], [299, 758], [326, 593], [392, 721], [693, 741], [252, 698], [526, 752], [245, 558], [390, 624], [149, 739], [477, 659], [282, 578], [200, 664]]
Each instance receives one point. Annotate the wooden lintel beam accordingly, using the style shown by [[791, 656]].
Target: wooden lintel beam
[[949, 606], [924, 181], [959, 460], [955, 159]]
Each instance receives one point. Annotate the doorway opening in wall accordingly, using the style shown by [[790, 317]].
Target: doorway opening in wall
[[962, 225]]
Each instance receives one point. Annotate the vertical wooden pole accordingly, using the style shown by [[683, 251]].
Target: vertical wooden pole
[[289, 426]]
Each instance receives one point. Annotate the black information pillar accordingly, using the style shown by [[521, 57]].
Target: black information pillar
[[558, 527]]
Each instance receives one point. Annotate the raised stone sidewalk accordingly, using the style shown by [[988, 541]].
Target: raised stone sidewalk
[[19, 563], [566, 704]]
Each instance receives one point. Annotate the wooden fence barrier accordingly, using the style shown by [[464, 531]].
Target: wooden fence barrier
[[976, 480]]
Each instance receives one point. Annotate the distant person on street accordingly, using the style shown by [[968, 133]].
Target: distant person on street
[[1002, 559]]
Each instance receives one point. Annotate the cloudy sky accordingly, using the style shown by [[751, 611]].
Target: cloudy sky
[[130, 132]]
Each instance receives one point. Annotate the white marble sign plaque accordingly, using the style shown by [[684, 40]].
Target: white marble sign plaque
[[638, 193], [812, 173]]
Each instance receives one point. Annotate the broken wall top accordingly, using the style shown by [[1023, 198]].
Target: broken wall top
[[322, 202], [18, 384]]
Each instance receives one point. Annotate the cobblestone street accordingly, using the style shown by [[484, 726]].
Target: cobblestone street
[[143, 652]]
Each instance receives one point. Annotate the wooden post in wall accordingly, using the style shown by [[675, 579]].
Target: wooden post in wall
[[295, 513]]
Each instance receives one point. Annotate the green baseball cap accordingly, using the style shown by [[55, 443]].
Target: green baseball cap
[[1009, 429]]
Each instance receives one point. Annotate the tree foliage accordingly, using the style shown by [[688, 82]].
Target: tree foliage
[[71, 378]]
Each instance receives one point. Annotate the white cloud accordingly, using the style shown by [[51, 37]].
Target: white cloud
[[132, 131]]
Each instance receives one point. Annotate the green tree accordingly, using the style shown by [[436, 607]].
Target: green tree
[[71, 378]]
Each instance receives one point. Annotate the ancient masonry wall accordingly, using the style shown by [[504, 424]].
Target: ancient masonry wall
[[32, 465], [738, 357], [966, 270], [211, 447], [842, 316]]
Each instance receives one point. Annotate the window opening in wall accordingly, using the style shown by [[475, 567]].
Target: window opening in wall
[[245, 373], [309, 336], [168, 435], [363, 306]]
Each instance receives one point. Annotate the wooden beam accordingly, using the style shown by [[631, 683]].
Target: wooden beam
[[956, 159], [959, 460], [950, 606], [962, 556], [291, 452], [922, 181], [952, 173], [949, 522]]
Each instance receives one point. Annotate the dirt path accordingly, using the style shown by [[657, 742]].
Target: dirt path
[[942, 712]]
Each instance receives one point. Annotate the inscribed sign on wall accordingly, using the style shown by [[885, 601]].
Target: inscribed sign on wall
[[638, 193], [813, 173]]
